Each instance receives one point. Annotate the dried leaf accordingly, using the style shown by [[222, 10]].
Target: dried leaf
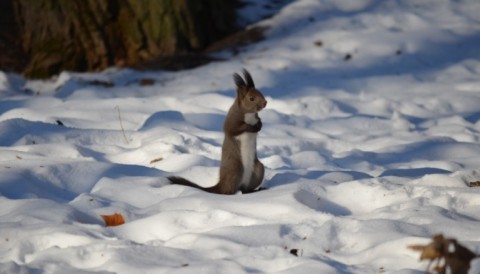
[[430, 252], [114, 219], [455, 257], [474, 184]]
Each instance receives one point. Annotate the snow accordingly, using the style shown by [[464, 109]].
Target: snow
[[370, 140]]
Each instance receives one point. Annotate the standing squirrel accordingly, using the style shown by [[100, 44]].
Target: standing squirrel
[[240, 168]]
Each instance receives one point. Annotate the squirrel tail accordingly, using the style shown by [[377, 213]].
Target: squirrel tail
[[184, 182]]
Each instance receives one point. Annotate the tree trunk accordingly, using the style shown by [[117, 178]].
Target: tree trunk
[[44, 37]]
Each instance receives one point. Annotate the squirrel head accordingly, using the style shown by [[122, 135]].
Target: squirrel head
[[249, 98]]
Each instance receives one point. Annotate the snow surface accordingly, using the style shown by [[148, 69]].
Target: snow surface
[[370, 139]]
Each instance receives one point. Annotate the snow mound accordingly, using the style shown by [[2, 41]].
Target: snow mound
[[370, 141]]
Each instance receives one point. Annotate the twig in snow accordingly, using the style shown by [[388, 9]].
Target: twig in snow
[[121, 124]]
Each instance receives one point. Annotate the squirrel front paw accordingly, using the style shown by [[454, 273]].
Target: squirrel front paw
[[257, 127]]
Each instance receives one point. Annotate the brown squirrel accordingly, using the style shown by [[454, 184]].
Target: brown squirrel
[[240, 168]]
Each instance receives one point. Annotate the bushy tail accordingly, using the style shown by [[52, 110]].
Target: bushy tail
[[184, 182]]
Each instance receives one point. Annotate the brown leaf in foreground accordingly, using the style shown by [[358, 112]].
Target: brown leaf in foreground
[[114, 219], [456, 258]]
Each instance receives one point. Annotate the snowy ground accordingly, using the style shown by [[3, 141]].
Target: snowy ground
[[370, 139]]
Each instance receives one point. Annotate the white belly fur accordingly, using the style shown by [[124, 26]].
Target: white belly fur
[[248, 147]]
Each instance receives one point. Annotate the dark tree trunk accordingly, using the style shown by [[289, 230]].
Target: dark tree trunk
[[40, 38]]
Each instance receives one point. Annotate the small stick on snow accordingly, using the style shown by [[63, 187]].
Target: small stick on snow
[[121, 124]]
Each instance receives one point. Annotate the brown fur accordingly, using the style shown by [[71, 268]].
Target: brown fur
[[249, 101]]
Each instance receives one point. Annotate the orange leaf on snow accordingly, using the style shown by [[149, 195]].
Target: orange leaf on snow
[[114, 219]]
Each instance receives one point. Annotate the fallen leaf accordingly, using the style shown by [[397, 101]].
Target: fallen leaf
[[474, 184], [114, 219], [447, 253], [430, 252]]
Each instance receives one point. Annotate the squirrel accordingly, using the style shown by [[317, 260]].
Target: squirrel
[[240, 168]]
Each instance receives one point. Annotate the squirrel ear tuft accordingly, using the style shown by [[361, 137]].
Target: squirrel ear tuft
[[238, 80], [248, 79]]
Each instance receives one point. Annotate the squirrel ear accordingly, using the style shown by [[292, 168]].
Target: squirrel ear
[[238, 81], [248, 79]]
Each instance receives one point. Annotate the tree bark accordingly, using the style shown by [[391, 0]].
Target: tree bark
[[44, 37]]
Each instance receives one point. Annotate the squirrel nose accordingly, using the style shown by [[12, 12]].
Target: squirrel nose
[[265, 104]]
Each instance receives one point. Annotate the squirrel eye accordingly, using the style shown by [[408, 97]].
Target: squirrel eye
[[252, 98]]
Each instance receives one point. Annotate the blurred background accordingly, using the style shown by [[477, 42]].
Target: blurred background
[[40, 38]]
